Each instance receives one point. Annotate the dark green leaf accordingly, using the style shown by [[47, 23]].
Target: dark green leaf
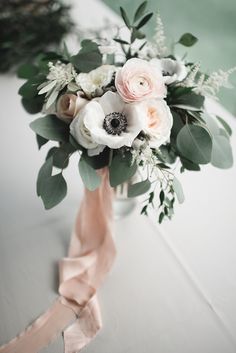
[[178, 190], [136, 35], [27, 71], [225, 125], [89, 175], [186, 164], [88, 58], [28, 90], [190, 101], [121, 41], [195, 144], [151, 197], [139, 188], [121, 169], [144, 210], [144, 20], [125, 17], [187, 40], [33, 105], [44, 173], [140, 11], [53, 191], [41, 141], [51, 128], [60, 157], [161, 217], [162, 197]]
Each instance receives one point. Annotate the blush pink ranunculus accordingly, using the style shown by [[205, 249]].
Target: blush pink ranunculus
[[138, 80]]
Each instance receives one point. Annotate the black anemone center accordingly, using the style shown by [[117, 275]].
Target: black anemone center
[[115, 123]]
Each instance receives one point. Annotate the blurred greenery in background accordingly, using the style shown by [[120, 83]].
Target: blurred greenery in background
[[213, 22]]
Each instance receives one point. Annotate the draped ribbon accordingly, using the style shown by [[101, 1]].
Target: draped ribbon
[[76, 312]]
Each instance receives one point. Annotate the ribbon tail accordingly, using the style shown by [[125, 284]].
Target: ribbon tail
[[83, 330], [43, 331]]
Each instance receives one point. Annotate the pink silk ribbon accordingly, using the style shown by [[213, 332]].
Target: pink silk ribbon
[[76, 312]]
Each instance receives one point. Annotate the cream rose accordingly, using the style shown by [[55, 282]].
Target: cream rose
[[68, 105], [138, 80], [159, 121]]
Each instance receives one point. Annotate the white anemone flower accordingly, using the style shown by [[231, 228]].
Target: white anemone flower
[[95, 79], [159, 121], [108, 121], [172, 70]]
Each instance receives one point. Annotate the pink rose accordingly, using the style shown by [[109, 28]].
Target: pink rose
[[68, 105], [138, 80]]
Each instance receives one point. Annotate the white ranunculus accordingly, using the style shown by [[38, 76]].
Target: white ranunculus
[[159, 121], [95, 79], [172, 70], [111, 122], [82, 135]]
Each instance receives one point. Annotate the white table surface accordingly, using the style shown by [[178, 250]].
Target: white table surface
[[172, 288]]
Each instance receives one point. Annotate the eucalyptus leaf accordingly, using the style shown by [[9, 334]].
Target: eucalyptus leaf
[[222, 156], [225, 125], [186, 164], [89, 175], [188, 40], [51, 128], [27, 71], [44, 173], [139, 188], [33, 105], [121, 169], [53, 190], [60, 157], [28, 90], [178, 190], [88, 58], [41, 141], [195, 144]]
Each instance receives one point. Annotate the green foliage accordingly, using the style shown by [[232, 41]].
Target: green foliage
[[41, 141], [53, 190], [89, 175], [195, 144], [139, 188], [225, 125], [222, 156], [26, 71], [188, 40], [144, 20], [121, 169], [88, 58], [140, 11], [125, 17], [51, 128], [44, 173]]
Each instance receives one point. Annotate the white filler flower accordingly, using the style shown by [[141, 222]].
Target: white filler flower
[[108, 121], [172, 70], [95, 79]]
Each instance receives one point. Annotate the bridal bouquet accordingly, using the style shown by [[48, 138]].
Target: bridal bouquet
[[130, 105]]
